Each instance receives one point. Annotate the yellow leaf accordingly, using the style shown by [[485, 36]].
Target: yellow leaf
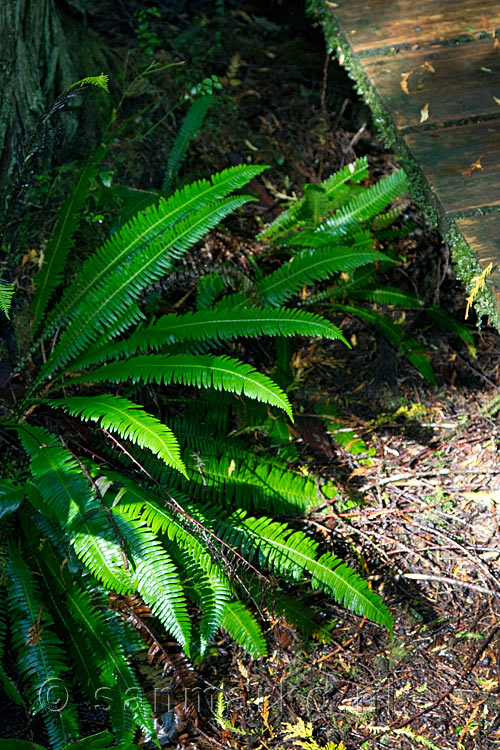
[[424, 113], [231, 467], [404, 81]]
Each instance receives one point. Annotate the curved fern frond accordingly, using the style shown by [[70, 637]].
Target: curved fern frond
[[128, 420], [411, 348], [156, 577], [11, 497], [210, 286], [242, 626], [220, 324], [6, 683], [6, 294], [41, 658], [147, 226], [312, 266], [203, 371], [95, 542], [356, 212], [292, 552], [290, 219], [56, 474], [189, 129], [62, 239], [112, 298]]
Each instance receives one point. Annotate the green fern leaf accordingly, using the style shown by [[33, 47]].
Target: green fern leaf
[[221, 324], [242, 626], [6, 683], [189, 130], [11, 497], [112, 298], [128, 420], [146, 227], [61, 241], [290, 219], [56, 474], [291, 553], [156, 577], [100, 82], [351, 216], [42, 660], [6, 294], [204, 371], [312, 266]]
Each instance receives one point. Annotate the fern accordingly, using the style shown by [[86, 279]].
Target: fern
[[291, 219], [143, 229], [6, 294], [221, 373], [315, 265], [242, 626], [60, 243], [40, 655], [128, 420], [189, 130], [291, 553], [221, 324]]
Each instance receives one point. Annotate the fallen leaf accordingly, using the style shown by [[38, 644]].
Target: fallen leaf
[[231, 467], [404, 81], [496, 43], [429, 66], [497, 100], [424, 113], [486, 22], [476, 164]]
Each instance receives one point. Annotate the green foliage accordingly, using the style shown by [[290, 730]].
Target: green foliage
[[131, 487], [6, 294]]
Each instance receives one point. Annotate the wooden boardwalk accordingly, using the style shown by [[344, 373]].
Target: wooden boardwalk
[[430, 70]]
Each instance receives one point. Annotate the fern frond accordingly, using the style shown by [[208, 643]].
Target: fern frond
[[111, 299], [410, 347], [242, 626], [6, 294], [210, 286], [156, 577], [312, 266], [208, 590], [289, 219], [204, 371], [42, 660], [61, 241], [100, 82], [220, 324], [6, 683], [128, 420], [11, 497], [189, 129], [388, 295], [292, 552], [57, 476], [356, 212], [146, 227]]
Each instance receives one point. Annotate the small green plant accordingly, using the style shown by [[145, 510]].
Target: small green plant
[[146, 34], [329, 231]]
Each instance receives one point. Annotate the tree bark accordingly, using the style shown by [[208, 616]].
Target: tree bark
[[45, 46]]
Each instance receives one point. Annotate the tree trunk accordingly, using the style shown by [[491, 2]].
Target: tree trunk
[[45, 46]]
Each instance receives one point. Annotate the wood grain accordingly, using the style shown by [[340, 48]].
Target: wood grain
[[446, 157], [483, 234], [454, 82], [387, 23]]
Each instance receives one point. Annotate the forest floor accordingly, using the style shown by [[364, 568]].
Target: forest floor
[[416, 509]]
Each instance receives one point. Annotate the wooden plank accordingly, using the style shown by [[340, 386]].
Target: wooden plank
[[450, 82], [483, 234], [388, 23], [447, 156]]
